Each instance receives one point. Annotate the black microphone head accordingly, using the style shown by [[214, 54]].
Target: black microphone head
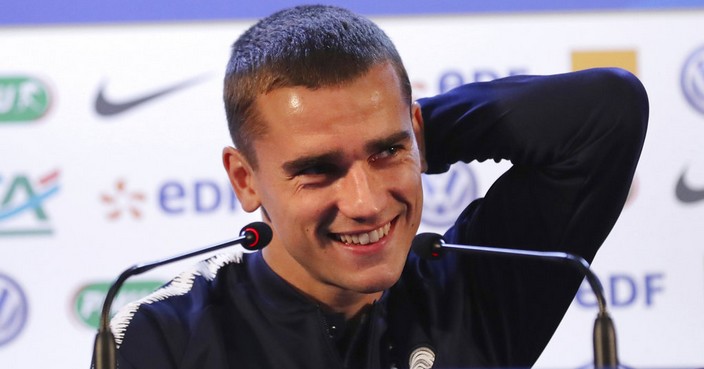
[[258, 235], [428, 245]]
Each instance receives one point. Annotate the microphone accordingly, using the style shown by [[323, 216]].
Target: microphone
[[431, 246], [253, 236]]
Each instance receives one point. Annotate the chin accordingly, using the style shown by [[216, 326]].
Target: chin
[[377, 283]]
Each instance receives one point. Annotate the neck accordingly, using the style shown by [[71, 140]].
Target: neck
[[335, 299], [332, 298]]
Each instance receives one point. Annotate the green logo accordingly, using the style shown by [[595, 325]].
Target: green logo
[[22, 99], [89, 299]]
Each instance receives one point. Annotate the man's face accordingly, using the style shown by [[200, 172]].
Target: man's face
[[339, 176]]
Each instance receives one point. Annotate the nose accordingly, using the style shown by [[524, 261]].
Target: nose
[[361, 194]]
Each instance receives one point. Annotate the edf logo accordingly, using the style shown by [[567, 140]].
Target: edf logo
[[453, 78], [13, 309], [201, 197], [174, 198], [446, 195], [624, 290], [692, 80]]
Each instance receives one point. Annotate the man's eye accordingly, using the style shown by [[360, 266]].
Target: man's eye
[[387, 153]]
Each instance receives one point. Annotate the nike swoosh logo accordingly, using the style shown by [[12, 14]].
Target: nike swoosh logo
[[106, 107], [685, 193]]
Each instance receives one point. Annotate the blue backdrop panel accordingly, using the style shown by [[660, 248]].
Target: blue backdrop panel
[[19, 12]]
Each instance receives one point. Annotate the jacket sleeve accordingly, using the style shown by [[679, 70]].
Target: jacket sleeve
[[574, 141]]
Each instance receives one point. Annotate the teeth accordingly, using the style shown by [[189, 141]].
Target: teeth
[[373, 236], [365, 238]]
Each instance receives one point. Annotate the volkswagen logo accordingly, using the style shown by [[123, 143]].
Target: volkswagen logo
[[692, 79], [446, 195], [13, 309]]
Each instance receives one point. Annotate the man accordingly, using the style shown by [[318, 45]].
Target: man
[[331, 149]]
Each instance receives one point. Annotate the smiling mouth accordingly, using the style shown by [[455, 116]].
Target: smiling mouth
[[365, 237]]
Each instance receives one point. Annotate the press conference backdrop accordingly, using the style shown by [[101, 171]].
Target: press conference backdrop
[[112, 126]]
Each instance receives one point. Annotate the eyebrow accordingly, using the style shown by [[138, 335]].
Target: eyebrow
[[294, 166], [383, 143]]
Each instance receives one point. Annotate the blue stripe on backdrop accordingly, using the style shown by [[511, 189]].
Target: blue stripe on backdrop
[[37, 12]]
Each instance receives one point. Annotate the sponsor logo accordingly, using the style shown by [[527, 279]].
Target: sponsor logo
[[455, 78], [22, 203], [626, 59], [14, 309], [22, 99], [122, 201], [447, 194], [173, 198], [106, 107], [692, 79], [88, 303], [625, 290], [201, 197], [685, 193]]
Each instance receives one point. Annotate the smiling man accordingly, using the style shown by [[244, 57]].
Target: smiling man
[[331, 149], [337, 175]]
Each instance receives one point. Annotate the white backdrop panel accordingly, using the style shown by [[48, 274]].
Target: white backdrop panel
[[166, 155]]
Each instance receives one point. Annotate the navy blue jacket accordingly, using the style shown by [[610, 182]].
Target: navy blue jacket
[[574, 141]]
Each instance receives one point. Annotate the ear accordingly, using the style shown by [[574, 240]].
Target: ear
[[242, 178], [418, 131]]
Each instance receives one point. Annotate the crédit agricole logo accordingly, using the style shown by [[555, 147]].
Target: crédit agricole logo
[[23, 203]]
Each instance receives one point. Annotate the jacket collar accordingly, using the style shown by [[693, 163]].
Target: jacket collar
[[273, 291]]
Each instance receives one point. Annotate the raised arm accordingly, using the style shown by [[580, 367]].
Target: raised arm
[[574, 140]]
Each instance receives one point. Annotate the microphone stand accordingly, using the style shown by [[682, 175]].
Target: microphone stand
[[253, 236], [605, 352]]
